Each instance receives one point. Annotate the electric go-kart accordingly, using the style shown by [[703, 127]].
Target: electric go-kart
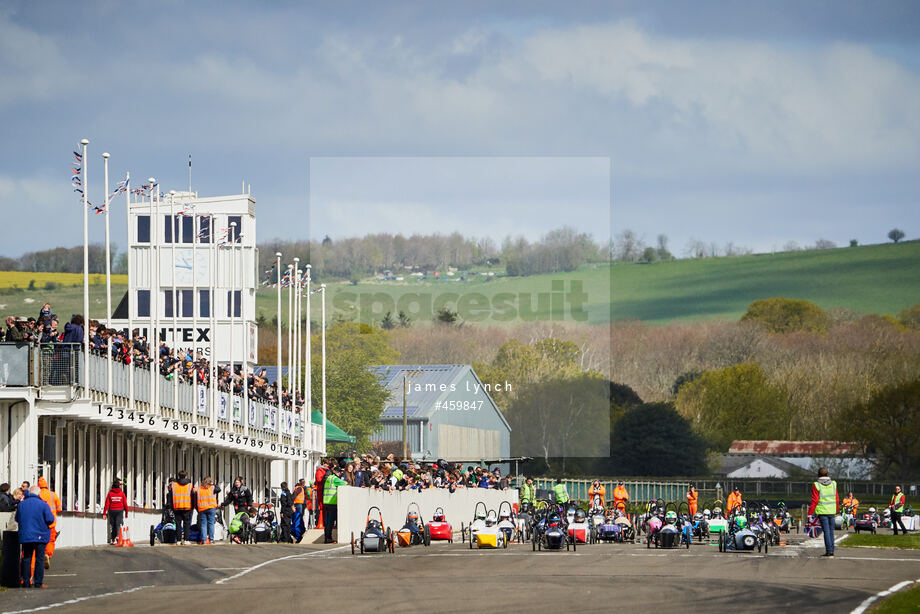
[[467, 532], [652, 520], [717, 521], [265, 529], [782, 518], [579, 529], [165, 531], [867, 522], [490, 535], [699, 525], [551, 534], [672, 533], [439, 528], [523, 521], [615, 527], [739, 536], [414, 532], [506, 521], [375, 537]]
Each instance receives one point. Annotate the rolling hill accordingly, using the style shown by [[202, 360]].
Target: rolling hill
[[869, 279]]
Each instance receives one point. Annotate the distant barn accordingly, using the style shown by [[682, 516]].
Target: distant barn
[[450, 413]]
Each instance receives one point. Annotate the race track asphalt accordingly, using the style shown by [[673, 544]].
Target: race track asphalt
[[453, 578]]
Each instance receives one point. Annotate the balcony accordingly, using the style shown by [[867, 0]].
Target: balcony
[[183, 409]]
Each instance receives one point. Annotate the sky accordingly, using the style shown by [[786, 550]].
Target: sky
[[742, 122]]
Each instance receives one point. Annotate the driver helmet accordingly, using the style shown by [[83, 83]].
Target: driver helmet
[[412, 516], [373, 524], [480, 514], [490, 519], [580, 516], [717, 511], [697, 517], [741, 522], [871, 510], [438, 516], [671, 517], [887, 512], [707, 514], [505, 514]]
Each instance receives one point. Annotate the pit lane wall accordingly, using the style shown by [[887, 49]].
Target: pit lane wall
[[458, 506]]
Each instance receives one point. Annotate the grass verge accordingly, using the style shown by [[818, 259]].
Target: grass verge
[[899, 603], [909, 542]]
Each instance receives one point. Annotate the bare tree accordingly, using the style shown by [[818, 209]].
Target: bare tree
[[825, 244], [695, 249], [629, 246]]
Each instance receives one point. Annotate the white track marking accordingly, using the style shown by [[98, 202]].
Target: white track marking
[[862, 607], [78, 600], [223, 568], [140, 571], [283, 558], [58, 575]]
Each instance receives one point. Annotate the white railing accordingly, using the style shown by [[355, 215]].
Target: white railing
[[183, 402]]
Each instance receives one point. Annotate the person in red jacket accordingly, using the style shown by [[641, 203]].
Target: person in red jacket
[[318, 478], [116, 509]]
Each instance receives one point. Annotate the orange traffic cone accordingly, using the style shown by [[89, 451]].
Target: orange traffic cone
[[127, 541], [120, 542]]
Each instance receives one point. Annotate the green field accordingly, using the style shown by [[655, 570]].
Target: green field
[[872, 279]]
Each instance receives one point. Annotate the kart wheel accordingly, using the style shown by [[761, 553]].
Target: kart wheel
[[766, 548], [533, 544], [540, 545], [471, 541], [721, 543], [574, 545], [362, 542], [462, 533], [352, 542], [427, 535], [153, 536], [504, 543], [687, 541], [648, 542]]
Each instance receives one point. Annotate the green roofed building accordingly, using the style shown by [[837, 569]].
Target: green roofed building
[[450, 413]]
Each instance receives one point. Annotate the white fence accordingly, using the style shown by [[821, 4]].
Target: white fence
[[458, 506]]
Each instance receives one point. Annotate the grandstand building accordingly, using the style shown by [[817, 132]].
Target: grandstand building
[[192, 284]]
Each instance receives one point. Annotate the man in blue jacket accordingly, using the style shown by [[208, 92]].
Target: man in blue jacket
[[34, 519]]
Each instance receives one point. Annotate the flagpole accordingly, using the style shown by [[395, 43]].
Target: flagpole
[[290, 361], [175, 301], [84, 160], [213, 277], [130, 336], [278, 376], [244, 366], [295, 316], [153, 350], [323, 290], [196, 303], [232, 327], [306, 415], [108, 283]]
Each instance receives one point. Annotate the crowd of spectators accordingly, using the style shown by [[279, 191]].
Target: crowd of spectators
[[392, 473], [133, 348]]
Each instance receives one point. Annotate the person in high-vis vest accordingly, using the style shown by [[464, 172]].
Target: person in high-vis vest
[[207, 510], [528, 494], [898, 501], [54, 502], [302, 506], [560, 492], [331, 501], [825, 504], [620, 497], [180, 499], [693, 497]]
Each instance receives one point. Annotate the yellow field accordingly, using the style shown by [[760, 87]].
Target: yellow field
[[22, 279]]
